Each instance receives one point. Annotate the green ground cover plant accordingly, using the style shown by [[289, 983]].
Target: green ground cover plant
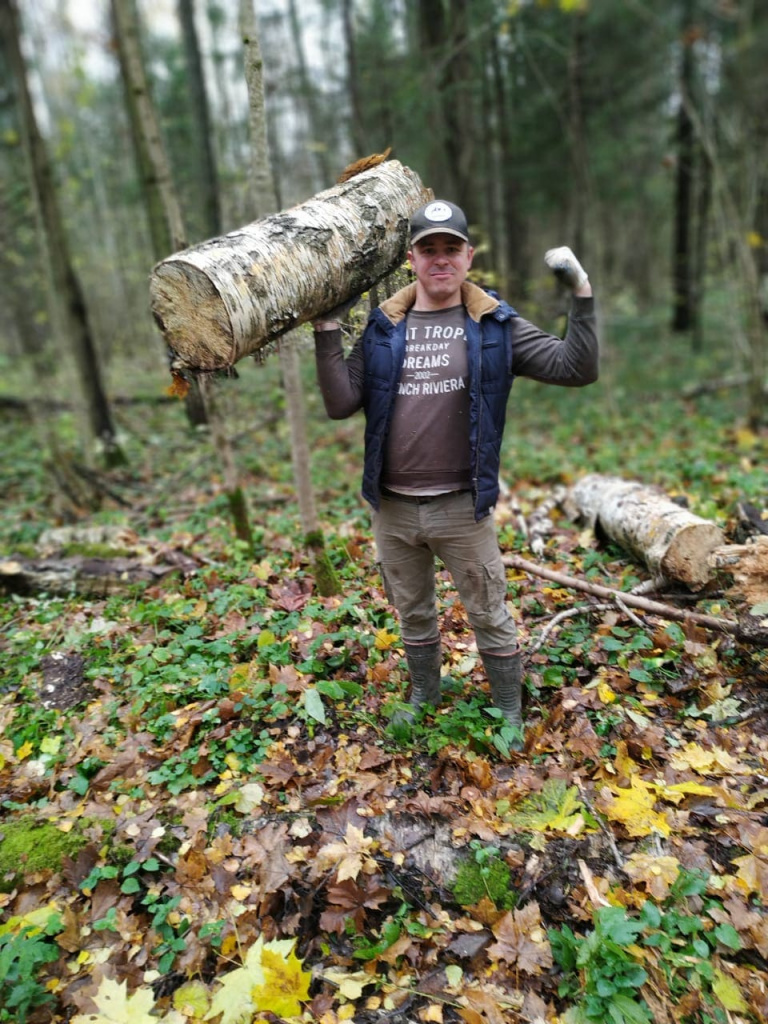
[[227, 769]]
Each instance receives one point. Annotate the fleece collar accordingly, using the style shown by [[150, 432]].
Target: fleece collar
[[477, 301]]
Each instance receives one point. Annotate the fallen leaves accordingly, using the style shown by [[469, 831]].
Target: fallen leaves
[[349, 856]]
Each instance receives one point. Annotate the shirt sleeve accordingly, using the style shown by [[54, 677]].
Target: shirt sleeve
[[340, 378], [571, 361]]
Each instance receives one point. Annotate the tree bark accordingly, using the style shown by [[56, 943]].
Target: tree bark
[[165, 209], [207, 172], [671, 541], [682, 318], [264, 196], [164, 214], [229, 297], [66, 294]]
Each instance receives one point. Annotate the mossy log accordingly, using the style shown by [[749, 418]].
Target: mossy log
[[231, 296], [81, 575]]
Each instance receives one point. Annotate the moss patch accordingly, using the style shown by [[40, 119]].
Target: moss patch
[[491, 880], [29, 845]]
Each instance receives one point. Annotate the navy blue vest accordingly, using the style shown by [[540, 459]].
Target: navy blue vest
[[489, 357]]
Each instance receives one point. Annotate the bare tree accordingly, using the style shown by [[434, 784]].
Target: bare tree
[[66, 296], [164, 214], [201, 120], [265, 202]]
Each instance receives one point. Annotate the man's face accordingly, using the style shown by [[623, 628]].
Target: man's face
[[441, 264]]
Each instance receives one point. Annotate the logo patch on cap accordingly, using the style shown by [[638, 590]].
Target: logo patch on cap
[[438, 212]]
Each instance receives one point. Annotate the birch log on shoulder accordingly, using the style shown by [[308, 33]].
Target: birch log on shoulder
[[229, 297], [669, 539]]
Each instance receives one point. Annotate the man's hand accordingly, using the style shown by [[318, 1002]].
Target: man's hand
[[566, 267], [331, 319]]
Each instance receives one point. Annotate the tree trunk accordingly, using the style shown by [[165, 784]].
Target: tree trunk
[[699, 276], [357, 119], [316, 118], [682, 318], [579, 192], [231, 296], [201, 120], [66, 295], [671, 541], [265, 201], [166, 221]]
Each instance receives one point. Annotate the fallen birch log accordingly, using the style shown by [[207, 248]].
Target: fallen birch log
[[670, 540], [749, 629], [230, 297]]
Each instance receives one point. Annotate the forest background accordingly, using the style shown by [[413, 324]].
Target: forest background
[[217, 769]]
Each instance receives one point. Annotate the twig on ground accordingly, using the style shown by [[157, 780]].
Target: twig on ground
[[654, 607], [630, 615], [568, 613], [611, 839]]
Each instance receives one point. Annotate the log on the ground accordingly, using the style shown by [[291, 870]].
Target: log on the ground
[[748, 565], [669, 539], [80, 575], [230, 297]]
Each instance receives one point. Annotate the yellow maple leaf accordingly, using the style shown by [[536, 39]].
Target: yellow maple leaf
[[384, 640], [115, 1006], [233, 1000], [706, 762], [24, 750], [677, 792], [351, 855], [349, 983], [692, 757], [286, 985], [634, 808]]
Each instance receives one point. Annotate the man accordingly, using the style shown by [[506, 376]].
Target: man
[[433, 371]]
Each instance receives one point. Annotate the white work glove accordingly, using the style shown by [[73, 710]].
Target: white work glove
[[566, 267]]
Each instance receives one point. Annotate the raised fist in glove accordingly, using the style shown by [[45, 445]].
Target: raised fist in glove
[[566, 267], [333, 316]]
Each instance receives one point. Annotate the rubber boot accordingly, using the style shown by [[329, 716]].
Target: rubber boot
[[505, 674], [424, 661]]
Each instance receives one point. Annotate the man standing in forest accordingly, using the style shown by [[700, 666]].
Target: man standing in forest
[[432, 371]]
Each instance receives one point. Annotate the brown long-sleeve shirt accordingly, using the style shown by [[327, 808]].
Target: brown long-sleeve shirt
[[571, 361]]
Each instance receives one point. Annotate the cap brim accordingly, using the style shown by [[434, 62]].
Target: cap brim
[[438, 231]]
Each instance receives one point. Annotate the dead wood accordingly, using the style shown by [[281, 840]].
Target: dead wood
[[669, 539], [230, 297], [708, 387], [748, 565], [78, 574], [748, 629]]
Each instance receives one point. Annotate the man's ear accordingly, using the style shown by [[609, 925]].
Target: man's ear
[[410, 256], [470, 254]]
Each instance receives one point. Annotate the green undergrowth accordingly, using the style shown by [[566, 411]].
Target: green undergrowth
[[604, 970]]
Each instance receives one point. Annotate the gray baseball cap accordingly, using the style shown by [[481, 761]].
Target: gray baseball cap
[[439, 218]]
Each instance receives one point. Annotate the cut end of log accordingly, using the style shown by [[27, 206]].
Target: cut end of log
[[687, 557], [230, 297], [192, 316]]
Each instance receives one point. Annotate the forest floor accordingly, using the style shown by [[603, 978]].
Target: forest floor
[[206, 811]]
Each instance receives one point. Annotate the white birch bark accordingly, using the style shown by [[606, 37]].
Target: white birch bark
[[229, 297], [670, 540]]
